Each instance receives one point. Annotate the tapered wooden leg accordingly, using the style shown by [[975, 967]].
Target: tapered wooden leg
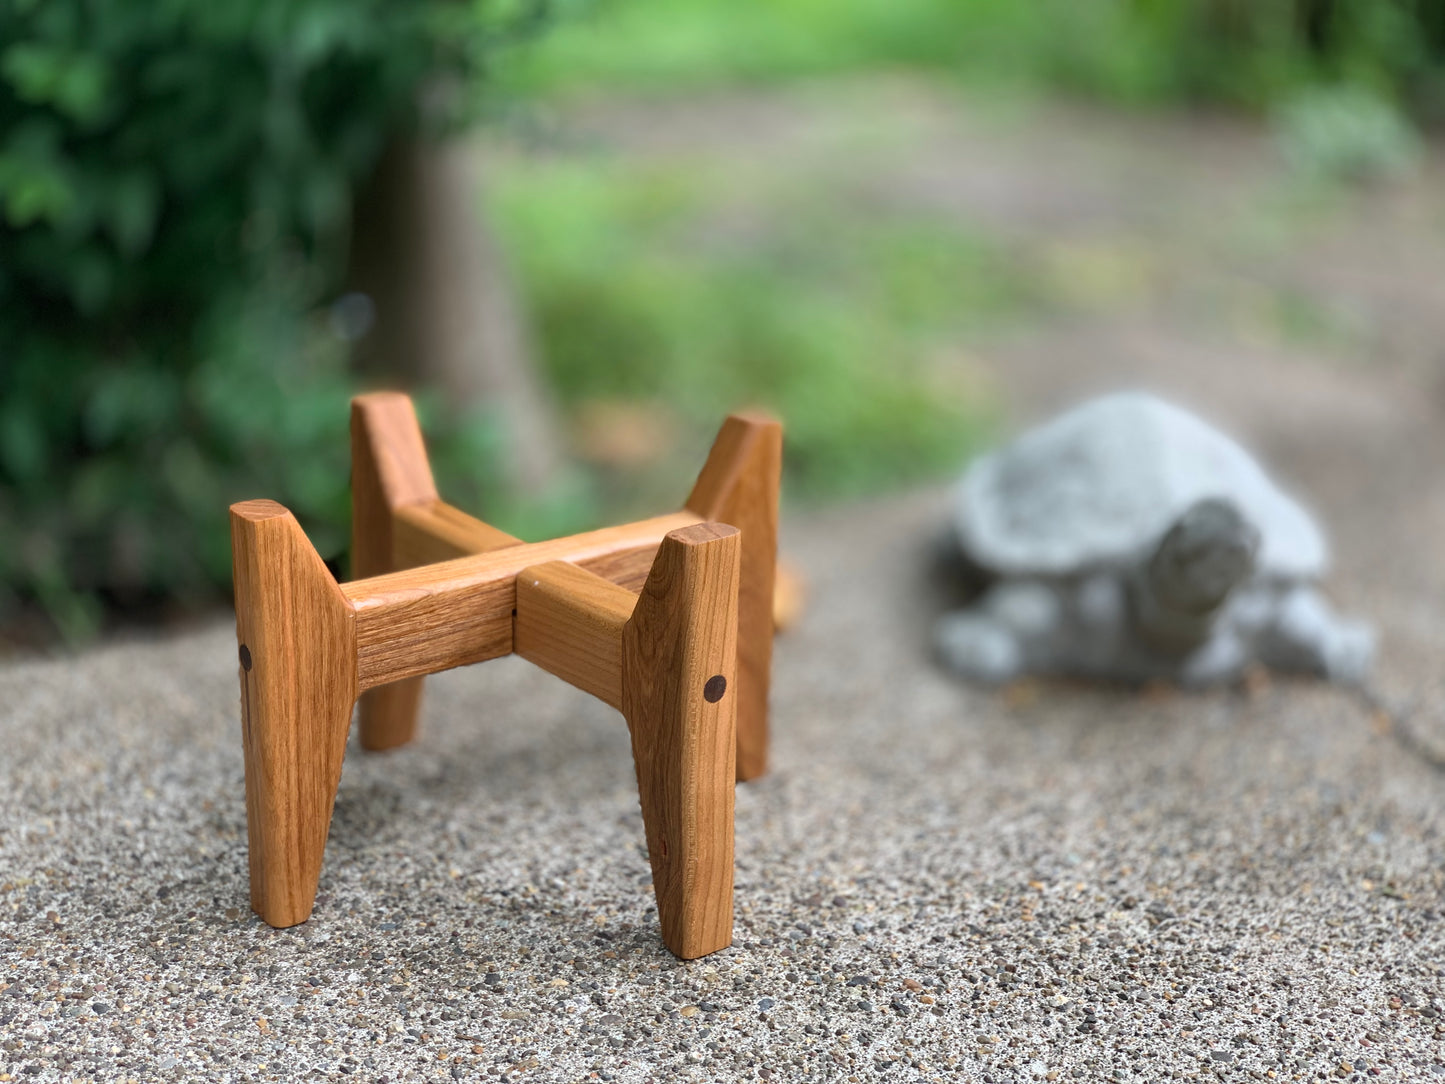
[[388, 716], [739, 486], [679, 696], [297, 646], [389, 470], [398, 522]]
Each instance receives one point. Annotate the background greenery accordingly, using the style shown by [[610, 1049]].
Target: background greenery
[[175, 183], [1250, 53], [176, 178]]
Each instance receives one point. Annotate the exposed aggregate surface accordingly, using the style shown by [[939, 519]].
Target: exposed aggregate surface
[[934, 883]]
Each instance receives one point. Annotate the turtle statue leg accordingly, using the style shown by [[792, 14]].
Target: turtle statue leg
[[1220, 661], [977, 647], [1306, 634], [1008, 631]]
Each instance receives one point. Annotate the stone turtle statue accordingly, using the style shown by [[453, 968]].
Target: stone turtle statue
[[1129, 540]]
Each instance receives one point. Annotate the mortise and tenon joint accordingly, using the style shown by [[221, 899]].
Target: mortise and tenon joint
[[668, 620]]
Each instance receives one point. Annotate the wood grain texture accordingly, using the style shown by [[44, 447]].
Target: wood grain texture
[[433, 531], [437, 588], [420, 534], [297, 644], [398, 522], [389, 470], [387, 446], [739, 485], [679, 649], [388, 715], [422, 620], [569, 622]]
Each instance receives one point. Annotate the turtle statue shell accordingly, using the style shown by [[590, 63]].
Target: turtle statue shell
[[1100, 484]]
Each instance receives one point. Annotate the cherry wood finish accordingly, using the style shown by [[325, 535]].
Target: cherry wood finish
[[397, 521], [296, 636], [739, 485], [679, 664], [457, 612], [647, 616], [569, 622]]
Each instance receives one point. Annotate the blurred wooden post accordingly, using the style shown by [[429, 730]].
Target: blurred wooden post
[[444, 309]]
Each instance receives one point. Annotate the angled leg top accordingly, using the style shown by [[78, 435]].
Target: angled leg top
[[739, 485]]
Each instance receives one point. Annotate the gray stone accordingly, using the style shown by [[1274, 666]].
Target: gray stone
[[1127, 539]]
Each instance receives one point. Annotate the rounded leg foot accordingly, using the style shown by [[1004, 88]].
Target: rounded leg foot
[[1308, 635], [1221, 660], [979, 648]]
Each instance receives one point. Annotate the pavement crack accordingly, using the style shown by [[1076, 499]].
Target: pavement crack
[[1397, 719]]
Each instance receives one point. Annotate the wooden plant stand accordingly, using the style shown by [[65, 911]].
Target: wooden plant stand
[[668, 619]]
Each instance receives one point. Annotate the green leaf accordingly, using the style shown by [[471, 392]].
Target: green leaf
[[22, 442], [135, 201], [75, 84], [35, 185]]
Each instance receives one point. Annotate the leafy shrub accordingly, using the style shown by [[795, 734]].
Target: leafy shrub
[[175, 185], [1347, 133]]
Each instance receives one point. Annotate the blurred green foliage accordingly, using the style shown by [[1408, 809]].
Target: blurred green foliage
[[647, 285], [1347, 133], [1252, 53], [175, 186], [696, 290]]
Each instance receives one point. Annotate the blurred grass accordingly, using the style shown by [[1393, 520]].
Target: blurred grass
[[688, 45], [1253, 54], [677, 286]]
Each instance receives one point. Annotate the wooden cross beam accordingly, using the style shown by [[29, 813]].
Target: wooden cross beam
[[668, 619]]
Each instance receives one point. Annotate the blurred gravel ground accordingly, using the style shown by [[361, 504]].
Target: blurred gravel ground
[[934, 883]]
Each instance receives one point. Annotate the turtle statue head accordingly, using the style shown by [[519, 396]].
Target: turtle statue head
[[1208, 552]]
